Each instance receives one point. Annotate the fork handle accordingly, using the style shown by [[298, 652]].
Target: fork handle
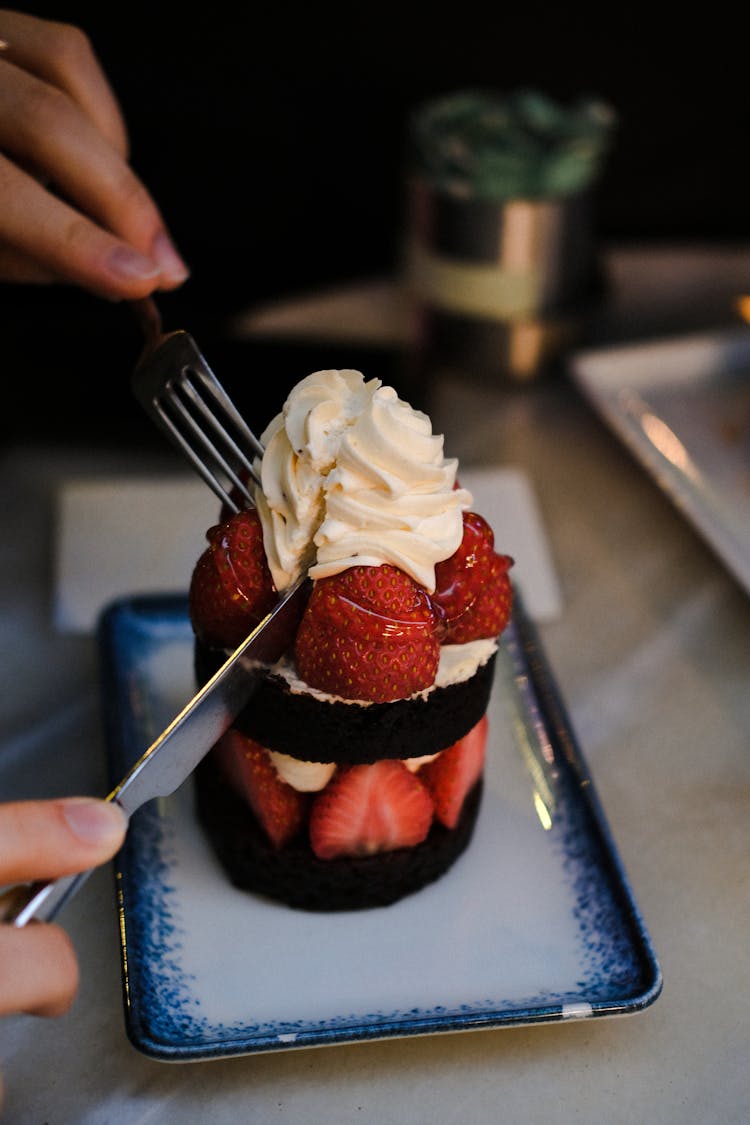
[[149, 318]]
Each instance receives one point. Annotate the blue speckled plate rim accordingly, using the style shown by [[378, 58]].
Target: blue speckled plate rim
[[173, 1036]]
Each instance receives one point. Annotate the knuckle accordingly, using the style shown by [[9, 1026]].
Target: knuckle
[[132, 201], [69, 965], [63, 971], [75, 235], [45, 108], [68, 46]]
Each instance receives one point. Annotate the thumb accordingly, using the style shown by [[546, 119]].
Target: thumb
[[45, 839]]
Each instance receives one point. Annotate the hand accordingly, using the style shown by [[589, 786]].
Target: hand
[[42, 840], [71, 207]]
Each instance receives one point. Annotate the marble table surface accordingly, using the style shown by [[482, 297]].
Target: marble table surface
[[651, 651]]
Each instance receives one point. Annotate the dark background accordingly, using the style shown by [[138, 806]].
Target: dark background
[[272, 138]]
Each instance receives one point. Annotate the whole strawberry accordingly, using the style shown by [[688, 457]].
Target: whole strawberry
[[368, 633], [473, 595], [231, 588]]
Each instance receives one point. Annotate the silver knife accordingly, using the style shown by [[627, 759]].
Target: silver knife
[[173, 756]]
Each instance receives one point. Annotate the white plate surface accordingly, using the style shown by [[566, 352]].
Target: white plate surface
[[682, 406], [534, 923]]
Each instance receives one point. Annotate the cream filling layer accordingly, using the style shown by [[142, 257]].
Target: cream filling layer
[[457, 664]]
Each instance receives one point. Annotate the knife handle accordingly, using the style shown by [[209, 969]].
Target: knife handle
[[39, 901]]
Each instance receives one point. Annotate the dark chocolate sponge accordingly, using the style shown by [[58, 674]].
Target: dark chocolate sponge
[[304, 727], [295, 876]]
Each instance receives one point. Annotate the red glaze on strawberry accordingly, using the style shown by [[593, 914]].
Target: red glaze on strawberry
[[473, 594], [237, 496], [455, 583], [280, 809], [490, 611], [369, 809], [231, 588], [453, 774], [368, 633]]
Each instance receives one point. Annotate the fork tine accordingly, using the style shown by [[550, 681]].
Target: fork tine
[[181, 393], [223, 401], [186, 386], [199, 462]]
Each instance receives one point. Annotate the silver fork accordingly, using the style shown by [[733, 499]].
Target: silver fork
[[178, 390]]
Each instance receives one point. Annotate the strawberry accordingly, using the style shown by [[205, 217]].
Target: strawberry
[[280, 810], [231, 588], [368, 633], [490, 610], [369, 809], [473, 594], [237, 495], [451, 775], [455, 587]]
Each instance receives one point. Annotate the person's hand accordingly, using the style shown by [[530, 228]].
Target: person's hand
[[43, 840], [71, 207]]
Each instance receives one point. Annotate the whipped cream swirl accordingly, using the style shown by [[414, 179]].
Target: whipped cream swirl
[[354, 472]]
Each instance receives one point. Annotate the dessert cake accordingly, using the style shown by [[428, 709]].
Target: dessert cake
[[354, 775]]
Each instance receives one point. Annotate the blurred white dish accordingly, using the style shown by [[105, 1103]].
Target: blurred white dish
[[682, 406]]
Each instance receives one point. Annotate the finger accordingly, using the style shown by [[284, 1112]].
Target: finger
[[62, 55], [38, 970], [45, 839], [18, 267], [43, 129], [67, 244]]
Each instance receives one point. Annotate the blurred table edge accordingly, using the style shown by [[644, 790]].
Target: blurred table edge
[[647, 287]]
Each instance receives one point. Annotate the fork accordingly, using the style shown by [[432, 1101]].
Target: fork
[[178, 390]]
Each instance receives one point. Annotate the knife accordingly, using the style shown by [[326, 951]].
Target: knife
[[173, 756]]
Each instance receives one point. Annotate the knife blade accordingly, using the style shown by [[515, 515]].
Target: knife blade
[[173, 756]]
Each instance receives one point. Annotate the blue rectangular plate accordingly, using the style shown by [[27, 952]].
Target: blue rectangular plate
[[535, 923]]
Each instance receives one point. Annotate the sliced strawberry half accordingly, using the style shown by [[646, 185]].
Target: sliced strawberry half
[[453, 774], [369, 809], [280, 809]]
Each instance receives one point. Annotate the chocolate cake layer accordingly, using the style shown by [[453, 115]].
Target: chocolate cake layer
[[299, 724], [295, 876]]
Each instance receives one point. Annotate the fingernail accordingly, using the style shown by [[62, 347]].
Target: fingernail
[[169, 261], [94, 821], [128, 263]]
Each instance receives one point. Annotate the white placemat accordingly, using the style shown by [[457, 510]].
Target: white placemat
[[118, 536]]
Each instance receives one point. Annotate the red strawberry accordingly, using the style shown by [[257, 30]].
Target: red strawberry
[[368, 633], [455, 584], [473, 594], [490, 611], [279, 808], [236, 495], [369, 809], [231, 588], [451, 775]]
